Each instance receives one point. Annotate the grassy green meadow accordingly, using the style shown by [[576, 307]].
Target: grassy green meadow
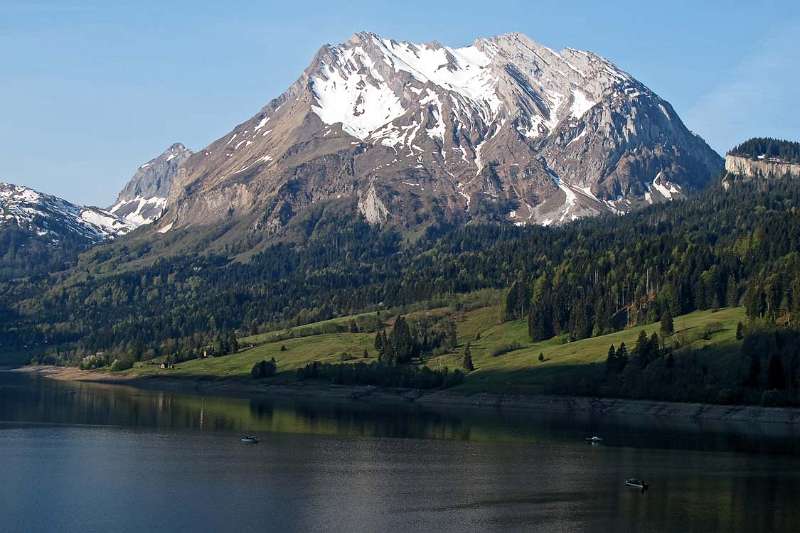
[[517, 371]]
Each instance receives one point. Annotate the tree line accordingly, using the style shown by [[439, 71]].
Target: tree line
[[586, 278]]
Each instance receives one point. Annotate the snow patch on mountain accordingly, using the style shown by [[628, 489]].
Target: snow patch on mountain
[[48, 215], [351, 92], [144, 197], [462, 70]]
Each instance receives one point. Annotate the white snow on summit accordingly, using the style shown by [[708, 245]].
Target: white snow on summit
[[45, 214], [348, 93]]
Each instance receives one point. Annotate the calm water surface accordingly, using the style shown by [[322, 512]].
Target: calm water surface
[[85, 457]]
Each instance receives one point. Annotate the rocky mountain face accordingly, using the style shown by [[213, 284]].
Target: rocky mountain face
[[143, 199], [54, 219], [761, 166], [410, 134]]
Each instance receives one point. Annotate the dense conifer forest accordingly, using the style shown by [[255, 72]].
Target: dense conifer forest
[[594, 276], [768, 147]]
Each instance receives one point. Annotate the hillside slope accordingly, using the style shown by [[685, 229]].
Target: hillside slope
[[711, 334]]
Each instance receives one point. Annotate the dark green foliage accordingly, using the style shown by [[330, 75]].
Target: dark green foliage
[[517, 300], [732, 294], [540, 314], [225, 343], [766, 371], [541, 357], [667, 325], [769, 147], [616, 359], [121, 364], [264, 369], [90, 362], [467, 364], [739, 331], [591, 277], [411, 340], [400, 346], [382, 375], [25, 254]]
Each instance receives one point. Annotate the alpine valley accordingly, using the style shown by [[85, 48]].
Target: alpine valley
[[430, 207]]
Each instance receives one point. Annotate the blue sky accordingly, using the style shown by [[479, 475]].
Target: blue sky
[[92, 89]]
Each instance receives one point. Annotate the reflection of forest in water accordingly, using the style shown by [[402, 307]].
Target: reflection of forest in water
[[25, 398]]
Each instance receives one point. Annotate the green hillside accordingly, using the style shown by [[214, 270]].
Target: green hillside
[[519, 371]]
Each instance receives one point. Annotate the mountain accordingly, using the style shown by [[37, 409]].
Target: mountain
[[417, 134], [143, 199], [52, 218], [40, 233]]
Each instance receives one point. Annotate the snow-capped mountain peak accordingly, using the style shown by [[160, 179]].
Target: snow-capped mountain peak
[[502, 128], [53, 218]]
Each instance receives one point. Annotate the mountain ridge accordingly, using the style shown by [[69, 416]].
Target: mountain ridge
[[144, 196], [505, 129], [50, 216]]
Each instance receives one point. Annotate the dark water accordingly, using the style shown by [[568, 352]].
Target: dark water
[[82, 457]]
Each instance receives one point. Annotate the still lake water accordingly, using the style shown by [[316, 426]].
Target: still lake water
[[87, 457]]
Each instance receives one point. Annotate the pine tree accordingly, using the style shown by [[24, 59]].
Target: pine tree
[[731, 293], [622, 356], [402, 343], [667, 326], [642, 349], [540, 315], [611, 360], [468, 366], [739, 331]]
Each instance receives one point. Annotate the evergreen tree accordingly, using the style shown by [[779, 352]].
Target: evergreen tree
[[380, 338], [642, 349], [731, 293], [739, 331], [467, 364], [611, 360], [515, 304], [540, 315], [622, 357], [402, 343], [667, 326]]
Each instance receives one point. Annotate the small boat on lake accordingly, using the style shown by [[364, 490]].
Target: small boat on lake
[[636, 484], [249, 439], [594, 440]]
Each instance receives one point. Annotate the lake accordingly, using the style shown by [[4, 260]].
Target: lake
[[91, 457]]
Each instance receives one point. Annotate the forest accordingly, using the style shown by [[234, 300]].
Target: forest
[[576, 281], [768, 147]]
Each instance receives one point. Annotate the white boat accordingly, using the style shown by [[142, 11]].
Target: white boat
[[249, 439], [594, 439], [636, 483]]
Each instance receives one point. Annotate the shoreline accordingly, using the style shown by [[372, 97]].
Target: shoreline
[[434, 400]]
